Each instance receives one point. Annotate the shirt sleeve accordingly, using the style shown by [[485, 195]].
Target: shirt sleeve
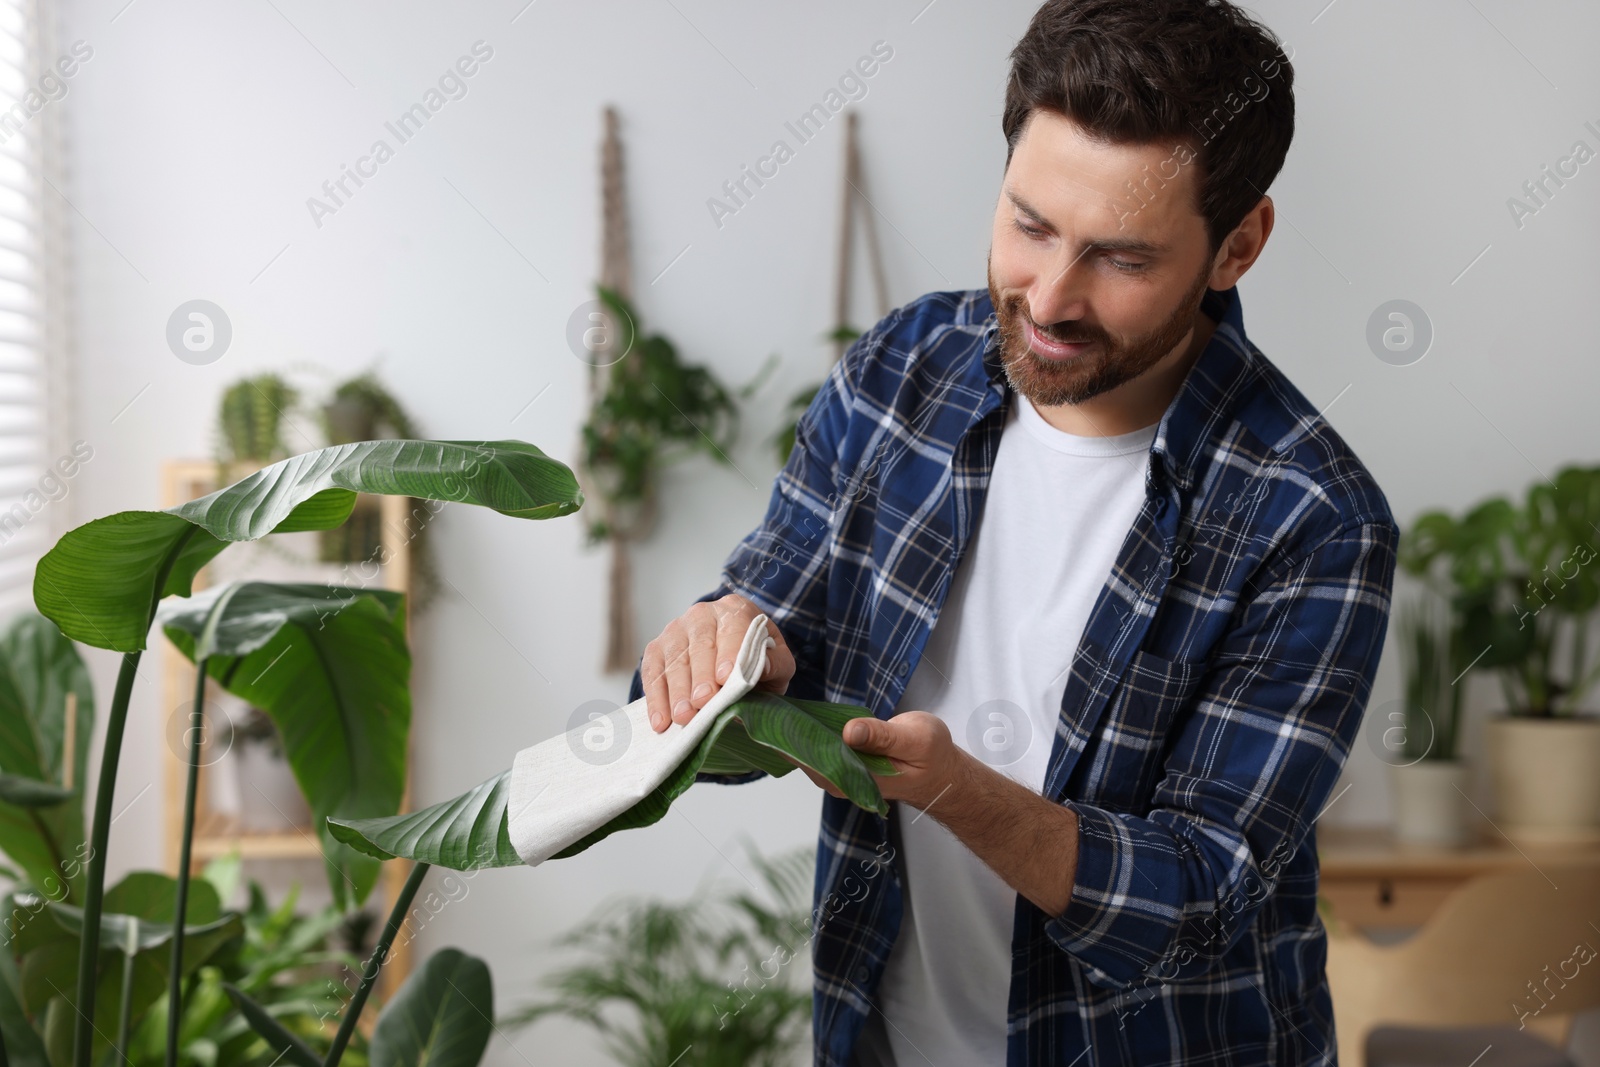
[[1162, 897], [782, 565]]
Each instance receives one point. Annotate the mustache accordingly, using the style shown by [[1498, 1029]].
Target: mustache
[[1057, 333]]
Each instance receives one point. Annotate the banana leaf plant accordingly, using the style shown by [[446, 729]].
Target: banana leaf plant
[[762, 731], [41, 807], [103, 583]]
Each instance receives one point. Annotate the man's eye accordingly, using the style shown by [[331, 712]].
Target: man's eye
[[1127, 266], [1031, 231]]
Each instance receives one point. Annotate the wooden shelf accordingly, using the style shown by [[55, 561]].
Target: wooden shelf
[[217, 833]]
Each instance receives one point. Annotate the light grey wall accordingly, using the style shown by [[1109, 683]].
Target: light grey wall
[[198, 132]]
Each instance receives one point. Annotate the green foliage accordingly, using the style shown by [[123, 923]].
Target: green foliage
[[136, 929], [655, 410], [102, 581], [285, 962], [103, 584], [716, 974], [442, 1016], [252, 417], [1431, 661], [330, 666], [38, 668], [470, 832], [1521, 585], [362, 409]]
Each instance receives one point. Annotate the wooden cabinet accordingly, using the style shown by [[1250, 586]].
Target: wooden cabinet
[[1374, 883]]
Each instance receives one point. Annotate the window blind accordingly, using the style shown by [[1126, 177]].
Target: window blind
[[37, 460]]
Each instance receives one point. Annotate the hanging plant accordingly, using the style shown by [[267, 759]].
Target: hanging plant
[[362, 409], [653, 411], [251, 421]]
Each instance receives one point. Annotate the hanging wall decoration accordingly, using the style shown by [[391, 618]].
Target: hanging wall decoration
[[647, 410], [853, 198]]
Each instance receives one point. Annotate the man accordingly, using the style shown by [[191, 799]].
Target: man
[[1112, 589]]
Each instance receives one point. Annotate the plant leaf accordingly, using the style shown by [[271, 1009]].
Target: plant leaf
[[272, 1031], [24, 1045], [48, 944], [442, 1016], [329, 665], [99, 581], [32, 793], [39, 667], [466, 833], [470, 832]]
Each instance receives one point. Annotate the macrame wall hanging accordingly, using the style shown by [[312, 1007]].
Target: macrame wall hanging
[[647, 409], [853, 198]]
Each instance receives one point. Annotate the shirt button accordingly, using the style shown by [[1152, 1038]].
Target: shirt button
[[902, 668], [861, 974]]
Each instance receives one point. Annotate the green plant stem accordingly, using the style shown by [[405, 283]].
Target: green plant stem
[[100, 833], [181, 909], [369, 974], [125, 1005]]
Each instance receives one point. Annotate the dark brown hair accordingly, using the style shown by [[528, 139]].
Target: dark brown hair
[[1196, 72]]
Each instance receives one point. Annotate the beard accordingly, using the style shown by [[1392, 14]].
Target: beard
[[1110, 363]]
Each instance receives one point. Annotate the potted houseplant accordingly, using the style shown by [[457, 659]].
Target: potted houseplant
[[250, 424], [363, 409], [1522, 583], [269, 798], [716, 973], [1427, 774]]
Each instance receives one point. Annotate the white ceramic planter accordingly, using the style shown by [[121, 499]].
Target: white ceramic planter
[[1429, 802], [1546, 778], [269, 798]]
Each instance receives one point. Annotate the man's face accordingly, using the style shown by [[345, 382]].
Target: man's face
[[1121, 273]]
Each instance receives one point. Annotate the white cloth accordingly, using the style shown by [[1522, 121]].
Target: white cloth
[[571, 784], [995, 667]]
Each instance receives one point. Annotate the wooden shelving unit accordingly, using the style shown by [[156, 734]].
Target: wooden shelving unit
[[217, 833]]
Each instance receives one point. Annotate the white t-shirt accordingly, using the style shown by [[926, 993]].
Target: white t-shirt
[[1057, 511]]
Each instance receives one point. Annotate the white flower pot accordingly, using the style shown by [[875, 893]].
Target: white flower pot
[[1546, 778], [1430, 802], [269, 797]]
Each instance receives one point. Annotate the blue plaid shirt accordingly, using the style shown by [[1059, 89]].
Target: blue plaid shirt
[[1211, 704]]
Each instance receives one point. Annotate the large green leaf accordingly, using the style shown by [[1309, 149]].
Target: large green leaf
[[467, 833], [24, 1044], [329, 664], [101, 582], [41, 821], [470, 832], [137, 921], [442, 1016], [274, 1033]]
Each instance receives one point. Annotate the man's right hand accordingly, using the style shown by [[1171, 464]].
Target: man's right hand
[[685, 666]]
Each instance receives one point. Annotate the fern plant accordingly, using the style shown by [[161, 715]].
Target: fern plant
[[714, 981]]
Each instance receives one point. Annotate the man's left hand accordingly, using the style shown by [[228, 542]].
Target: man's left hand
[[917, 743]]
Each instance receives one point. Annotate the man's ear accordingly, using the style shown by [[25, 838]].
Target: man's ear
[[1241, 248]]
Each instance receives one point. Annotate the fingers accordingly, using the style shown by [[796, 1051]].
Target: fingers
[[694, 655], [652, 674], [690, 681], [733, 621]]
